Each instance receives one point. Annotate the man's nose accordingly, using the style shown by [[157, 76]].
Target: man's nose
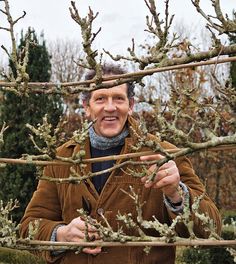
[[110, 106]]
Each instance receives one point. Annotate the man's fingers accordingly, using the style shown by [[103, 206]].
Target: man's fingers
[[152, 157], [168, 165], [165, 171], [92, 251], [170, 180], [79, 235], [80, 224], [144, 179], [88, 228]]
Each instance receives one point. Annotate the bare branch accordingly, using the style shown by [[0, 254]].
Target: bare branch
[[224, 26], [20, 65], [87, 35]]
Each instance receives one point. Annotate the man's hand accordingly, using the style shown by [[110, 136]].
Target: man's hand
[[75, 232], [167, 178]]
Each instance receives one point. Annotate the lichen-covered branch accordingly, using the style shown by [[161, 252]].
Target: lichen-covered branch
[[8, 228], [156, 29], [110, 238], [19, 61], [50, 138], [75, 177], [167, 233], [207, 222], [88, 37], [160, 29], [159, 53], [224, 24]]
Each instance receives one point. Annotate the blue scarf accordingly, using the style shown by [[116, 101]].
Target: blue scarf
[[100, 142]]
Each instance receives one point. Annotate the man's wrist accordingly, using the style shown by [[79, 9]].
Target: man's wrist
[[177, 196], [177, 206], [54, 233]]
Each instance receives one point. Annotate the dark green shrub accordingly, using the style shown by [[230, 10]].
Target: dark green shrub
[[196, 256], [212, 255], [216, 255], [11, 256]]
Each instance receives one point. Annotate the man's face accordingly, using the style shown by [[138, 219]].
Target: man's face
[[111, 108]]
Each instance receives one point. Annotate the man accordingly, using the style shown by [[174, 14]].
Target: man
[[113, 133]]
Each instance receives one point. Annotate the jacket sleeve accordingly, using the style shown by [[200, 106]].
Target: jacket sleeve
[[45, 207], [196, 188]]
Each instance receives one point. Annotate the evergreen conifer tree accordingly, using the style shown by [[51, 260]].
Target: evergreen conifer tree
[[19, 181]]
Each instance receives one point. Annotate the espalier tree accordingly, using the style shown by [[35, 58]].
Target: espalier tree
[[20, 181], [206, 120]]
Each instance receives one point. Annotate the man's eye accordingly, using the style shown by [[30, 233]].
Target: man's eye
[[120, 98], [99, 98]]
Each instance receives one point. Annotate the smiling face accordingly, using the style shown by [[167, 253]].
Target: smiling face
[[111, 108]]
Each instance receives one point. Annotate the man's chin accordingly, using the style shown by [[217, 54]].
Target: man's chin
[[110, 134]]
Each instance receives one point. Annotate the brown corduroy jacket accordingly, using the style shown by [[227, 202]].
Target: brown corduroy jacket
[[55, 204]]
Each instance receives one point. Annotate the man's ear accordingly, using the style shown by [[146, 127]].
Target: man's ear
[[86, 108], [131, 106]]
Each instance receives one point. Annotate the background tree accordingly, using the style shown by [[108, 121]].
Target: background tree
[[65, 57], [19, 181]]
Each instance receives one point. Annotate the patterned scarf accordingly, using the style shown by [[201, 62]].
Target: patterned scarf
[[100, 142]]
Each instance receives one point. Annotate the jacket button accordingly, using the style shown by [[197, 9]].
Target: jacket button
[[100, 211]]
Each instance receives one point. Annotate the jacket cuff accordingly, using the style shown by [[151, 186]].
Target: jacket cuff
[[47, 255], [54, 239], [177, 209]]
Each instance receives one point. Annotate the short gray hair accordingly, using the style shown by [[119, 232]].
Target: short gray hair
[[108, 69]]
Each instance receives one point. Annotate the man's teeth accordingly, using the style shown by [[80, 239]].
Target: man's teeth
[[109, 118]]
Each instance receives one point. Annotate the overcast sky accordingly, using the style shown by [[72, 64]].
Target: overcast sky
[[121, 20]]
